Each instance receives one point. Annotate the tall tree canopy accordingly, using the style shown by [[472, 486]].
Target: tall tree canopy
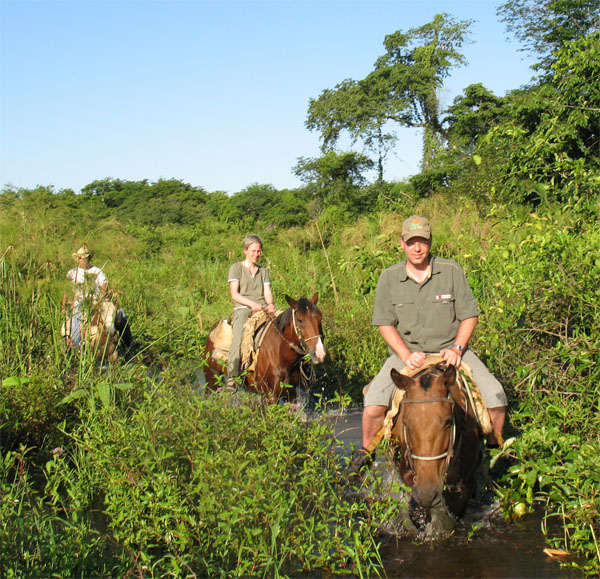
[[401, 90], [543, 26]]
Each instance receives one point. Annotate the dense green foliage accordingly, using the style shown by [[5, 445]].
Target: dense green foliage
[[132, 470], [533, 273], [544, 26]]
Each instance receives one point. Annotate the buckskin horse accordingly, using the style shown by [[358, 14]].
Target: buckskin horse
[[287, 340], [436, 436], [102, 325]]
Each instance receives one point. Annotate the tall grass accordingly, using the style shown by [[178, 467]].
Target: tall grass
[[127, 491]]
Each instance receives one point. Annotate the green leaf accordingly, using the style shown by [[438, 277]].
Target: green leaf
[[75, 395], [15, 381], [104, 393]]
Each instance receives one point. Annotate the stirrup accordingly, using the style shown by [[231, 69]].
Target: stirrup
[[360, 460]]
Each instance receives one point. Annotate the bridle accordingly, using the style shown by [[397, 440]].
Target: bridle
[[299, 335], [448, 453], [302, 350]]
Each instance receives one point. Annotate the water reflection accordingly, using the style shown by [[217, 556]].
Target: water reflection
[[496, 549]]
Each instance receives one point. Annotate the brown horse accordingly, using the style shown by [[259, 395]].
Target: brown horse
[[103, 325], [437, 441], [287, 339]]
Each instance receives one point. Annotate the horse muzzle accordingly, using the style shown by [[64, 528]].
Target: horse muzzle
[[427, 497], [318, 356]]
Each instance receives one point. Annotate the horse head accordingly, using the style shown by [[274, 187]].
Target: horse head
[[307, 326], [425, 431]]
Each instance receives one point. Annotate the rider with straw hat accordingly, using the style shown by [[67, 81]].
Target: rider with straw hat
[[90, 285]]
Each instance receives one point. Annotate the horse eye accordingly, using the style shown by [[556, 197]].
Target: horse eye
[[449, 423]]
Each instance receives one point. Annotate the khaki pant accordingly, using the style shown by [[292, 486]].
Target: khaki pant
[[380, 390], [238, 319]]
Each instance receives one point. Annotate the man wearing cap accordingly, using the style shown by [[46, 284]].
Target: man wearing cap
[[424, 305]]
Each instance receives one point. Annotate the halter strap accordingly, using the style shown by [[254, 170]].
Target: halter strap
[[426, 400], [447, 454], [437, 457], [299, 334], [302, 351]]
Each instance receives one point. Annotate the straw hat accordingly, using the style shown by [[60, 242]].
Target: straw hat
[[83, 251]]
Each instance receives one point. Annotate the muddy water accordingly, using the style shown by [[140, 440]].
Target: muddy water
[[496, 549]]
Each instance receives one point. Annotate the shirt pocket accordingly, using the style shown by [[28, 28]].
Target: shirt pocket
[[443, 313], [407, 315]]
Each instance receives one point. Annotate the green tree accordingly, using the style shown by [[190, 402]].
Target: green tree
[[471, 116], [549, 149], [401, 90], [333, 178], [544, 26]]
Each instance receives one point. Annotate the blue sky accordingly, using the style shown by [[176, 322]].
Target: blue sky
[[214, 93]]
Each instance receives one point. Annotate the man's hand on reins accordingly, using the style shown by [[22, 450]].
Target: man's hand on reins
[[452, 356], [416, 360]]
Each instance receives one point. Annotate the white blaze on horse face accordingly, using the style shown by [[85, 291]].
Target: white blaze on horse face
[[319, 354]]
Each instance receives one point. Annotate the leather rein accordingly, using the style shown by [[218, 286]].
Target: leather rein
[[302, 350], [448, 453]]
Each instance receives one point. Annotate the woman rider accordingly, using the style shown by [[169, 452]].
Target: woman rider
[[250, 287]]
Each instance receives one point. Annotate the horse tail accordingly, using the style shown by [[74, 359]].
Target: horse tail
[[122, 327]]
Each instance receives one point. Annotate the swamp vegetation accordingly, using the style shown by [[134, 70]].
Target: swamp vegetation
[[129, 469]]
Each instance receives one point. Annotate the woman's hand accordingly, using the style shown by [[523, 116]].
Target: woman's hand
[[270, 308]]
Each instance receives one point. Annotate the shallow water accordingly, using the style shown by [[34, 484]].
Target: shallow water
[[496, 549]]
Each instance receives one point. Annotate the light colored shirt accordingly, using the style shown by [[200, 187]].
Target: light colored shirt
[[88, 282]]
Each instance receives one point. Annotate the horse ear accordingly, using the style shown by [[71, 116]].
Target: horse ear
[[400, 380], [451, 384], [450, 376], [293, 303], [315, 298]]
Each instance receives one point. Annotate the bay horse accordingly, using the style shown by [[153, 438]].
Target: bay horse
[[287, 340], [436, 437]]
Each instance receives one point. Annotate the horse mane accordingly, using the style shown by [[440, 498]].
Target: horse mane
[[427, 375], [285, 317], [282, 320]]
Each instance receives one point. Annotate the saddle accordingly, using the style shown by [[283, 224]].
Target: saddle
[[221, 336], [254, 330], [467, 384], [101, 318]]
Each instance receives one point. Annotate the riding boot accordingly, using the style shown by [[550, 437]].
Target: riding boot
[[360, 460]]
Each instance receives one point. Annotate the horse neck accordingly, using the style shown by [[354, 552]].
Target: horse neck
[[278, 337], [284, 324]]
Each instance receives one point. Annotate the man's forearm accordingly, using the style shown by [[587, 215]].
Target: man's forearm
[[394, 341], [465, 331]]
